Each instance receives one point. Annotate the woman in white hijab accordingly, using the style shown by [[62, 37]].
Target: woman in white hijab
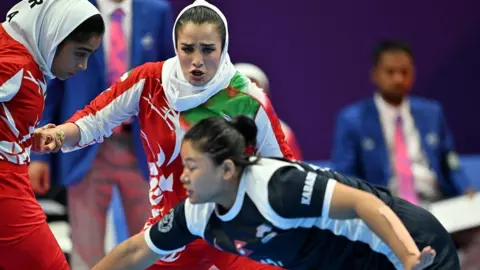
[[168, 97], [40, 39]]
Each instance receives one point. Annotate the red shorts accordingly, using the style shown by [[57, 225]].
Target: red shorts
[[39, 251], [199, 255], [26, 241]]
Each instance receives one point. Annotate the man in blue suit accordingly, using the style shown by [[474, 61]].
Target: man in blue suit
[[137, 31], [396, 140]]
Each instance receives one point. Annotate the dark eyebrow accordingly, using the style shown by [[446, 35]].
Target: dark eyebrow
[[203, 44], [85, 49], [189, 159]]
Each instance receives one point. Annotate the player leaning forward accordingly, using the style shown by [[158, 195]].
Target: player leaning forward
[[290, 214]]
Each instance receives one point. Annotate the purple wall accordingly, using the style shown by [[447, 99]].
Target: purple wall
[[317, 55]]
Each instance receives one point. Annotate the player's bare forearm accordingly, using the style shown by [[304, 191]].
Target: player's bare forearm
[[349, 203], [386, 224], [131, 254]]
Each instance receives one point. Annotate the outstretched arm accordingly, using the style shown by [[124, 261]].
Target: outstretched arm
[[133, 253], [168, 236], [304, 192], [97, 120], [350, 203]]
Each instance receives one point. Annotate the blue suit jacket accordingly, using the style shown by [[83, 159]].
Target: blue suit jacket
[[360, 150], [151, 41]]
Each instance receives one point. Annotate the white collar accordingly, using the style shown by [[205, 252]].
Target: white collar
[[237, 205], [390, 110], [107, 7]]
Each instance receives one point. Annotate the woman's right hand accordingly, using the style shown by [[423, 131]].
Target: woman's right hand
[[39, 174], [47, 139]]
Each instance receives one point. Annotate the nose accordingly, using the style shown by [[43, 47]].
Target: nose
[[197, 60], [83, 65], [398, 77], [183, 177]]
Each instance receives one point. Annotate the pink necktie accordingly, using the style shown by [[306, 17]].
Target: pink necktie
[[403, 165], [117, 57]]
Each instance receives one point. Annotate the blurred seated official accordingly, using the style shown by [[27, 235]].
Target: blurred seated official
[[396, 140], [400, 141]]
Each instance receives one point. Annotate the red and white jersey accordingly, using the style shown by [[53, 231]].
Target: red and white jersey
[[22, 99], [140, 93], [292, 141]]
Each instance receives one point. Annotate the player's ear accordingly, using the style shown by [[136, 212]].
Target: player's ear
[[228, 169]]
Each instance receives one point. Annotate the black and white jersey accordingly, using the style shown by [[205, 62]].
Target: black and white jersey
[[280, 217]]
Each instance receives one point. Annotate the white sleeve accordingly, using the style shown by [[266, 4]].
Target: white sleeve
[[270, 138], [107, 111], [171, 234], [267, 142]]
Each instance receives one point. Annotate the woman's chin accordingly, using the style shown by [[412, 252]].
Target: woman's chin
[[198, 81], [193, 200]]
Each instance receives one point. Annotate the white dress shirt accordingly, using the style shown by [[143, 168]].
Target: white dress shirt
[[425, 178], [106, 8]]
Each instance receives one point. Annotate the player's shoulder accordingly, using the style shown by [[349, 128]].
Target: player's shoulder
[[147, 70], [264, 168], [284, 190], [290, 177], [425, 104], [13, 55], [352, 112], [9, 69], [277, 169], [197, 216], [282, 184], [17, 62], [240, 84], [150, 71], [272, 178], [17, 73]]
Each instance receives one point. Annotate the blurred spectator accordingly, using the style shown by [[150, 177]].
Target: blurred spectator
[[138, 31], [256, 75], [396, 140]]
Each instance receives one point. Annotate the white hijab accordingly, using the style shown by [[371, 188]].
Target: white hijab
[[43, 27], [181, 95]]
